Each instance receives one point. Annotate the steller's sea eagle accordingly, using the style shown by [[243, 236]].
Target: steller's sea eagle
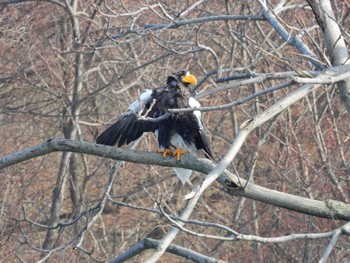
[[178, 133]]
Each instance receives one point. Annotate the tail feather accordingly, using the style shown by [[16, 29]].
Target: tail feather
[[183, 174]]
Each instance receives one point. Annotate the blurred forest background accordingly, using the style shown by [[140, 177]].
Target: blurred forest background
[[70, 68]]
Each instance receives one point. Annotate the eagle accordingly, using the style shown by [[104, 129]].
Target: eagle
[[177, 133]]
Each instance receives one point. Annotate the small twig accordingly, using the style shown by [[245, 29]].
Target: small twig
[[236, 102], [148, 110], [182, 228], [190, 8], [158, 119], [192, 221]]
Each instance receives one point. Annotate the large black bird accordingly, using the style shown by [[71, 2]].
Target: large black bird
[[178, 133]]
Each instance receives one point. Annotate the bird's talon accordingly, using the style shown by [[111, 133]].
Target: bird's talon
[[165, 152], [178, 153]]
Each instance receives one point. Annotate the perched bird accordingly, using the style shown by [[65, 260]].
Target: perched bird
[[177, 133]]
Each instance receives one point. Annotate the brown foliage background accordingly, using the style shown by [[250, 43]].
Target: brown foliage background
[[305, 152]]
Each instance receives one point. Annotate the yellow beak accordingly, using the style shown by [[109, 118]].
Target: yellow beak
[[190, 79]]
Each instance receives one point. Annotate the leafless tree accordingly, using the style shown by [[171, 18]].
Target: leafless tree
[[274, 85]]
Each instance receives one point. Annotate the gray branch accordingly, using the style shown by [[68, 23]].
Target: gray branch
[[336, 234], [336, 46], [253, 191], [173, 249], [234, 235], [178, 23], [329, 77], [289, 38]]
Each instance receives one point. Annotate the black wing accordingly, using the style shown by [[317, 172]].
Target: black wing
[[129, 127], [125, 130], [201, 142], [200, 139]]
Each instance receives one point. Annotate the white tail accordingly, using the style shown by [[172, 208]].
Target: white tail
[[183, 174]]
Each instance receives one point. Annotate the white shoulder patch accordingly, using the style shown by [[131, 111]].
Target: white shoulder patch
[[195, 104], [138, 104]]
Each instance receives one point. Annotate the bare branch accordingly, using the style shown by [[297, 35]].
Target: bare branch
[[9, 2], [330, 76], [235, 235], [176, 24], [336, 46], [335, 235], [292, 40], [288, 201], [173, 249]]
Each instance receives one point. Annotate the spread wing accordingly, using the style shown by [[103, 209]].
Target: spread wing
[[201, 140], [130, 127]]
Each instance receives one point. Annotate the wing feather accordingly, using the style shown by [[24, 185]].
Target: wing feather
[[129, 127], [200, 139]]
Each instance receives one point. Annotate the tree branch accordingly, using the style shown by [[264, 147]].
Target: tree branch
[[173, 249], [335, 235], [234, 235], [336, 46], [178, 23], [288, 37], [253, 191]]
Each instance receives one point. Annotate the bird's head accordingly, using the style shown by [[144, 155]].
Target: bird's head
[[186, 78]]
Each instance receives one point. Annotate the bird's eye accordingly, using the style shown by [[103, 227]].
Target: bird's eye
[[180, 73]]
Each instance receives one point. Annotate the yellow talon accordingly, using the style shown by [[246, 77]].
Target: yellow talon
[[165, 152], [178, 153]]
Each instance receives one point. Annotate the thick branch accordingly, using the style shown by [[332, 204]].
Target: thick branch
[[253, 191], [336, 46], [323, 79]]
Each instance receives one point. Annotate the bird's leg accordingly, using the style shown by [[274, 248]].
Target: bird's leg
[[165, 152], [178, 153]]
